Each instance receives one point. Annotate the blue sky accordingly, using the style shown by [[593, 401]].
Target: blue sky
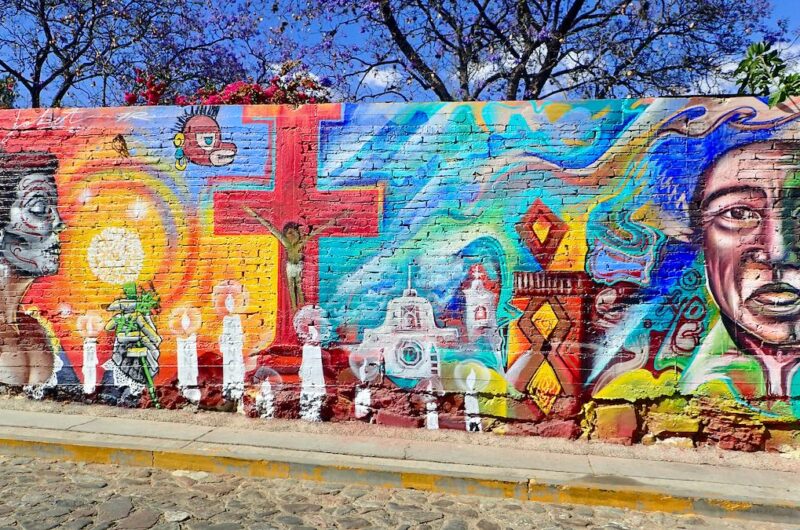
[[787, 9], [790, 10]]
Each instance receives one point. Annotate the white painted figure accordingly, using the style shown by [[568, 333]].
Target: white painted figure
[[480, 317], [409, 338]]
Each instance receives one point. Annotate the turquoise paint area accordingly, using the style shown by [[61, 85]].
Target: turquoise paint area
[[459, 178], [474, 182]]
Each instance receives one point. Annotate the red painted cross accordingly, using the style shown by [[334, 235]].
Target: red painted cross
[[295, 198]]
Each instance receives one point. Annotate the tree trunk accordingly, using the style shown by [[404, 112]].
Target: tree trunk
[[36, 97]]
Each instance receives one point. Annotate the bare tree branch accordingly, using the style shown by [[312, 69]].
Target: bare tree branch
[[528, 48], [430, 77]]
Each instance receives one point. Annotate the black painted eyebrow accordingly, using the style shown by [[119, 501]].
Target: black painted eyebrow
[[731, 189], [31, 195], [27, 201]]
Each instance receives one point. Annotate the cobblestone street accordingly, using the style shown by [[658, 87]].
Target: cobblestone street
[[43, 494]]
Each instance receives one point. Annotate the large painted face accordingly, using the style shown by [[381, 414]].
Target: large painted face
[[751, 230], [30, 242], [204, 145]]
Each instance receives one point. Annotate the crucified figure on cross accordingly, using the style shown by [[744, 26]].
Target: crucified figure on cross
[[294, 242]]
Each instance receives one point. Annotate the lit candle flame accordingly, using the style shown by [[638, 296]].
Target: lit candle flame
[[229, 297], [471, 377], [185, 321], [362, 371], [90, 324]]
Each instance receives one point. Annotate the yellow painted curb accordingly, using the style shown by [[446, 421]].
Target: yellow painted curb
[[578, 493], [642, 500]]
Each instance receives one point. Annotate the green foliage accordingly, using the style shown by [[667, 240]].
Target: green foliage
[[147, 303], [763, 73], [7, 92], [789, 86], [124, 324], [129, 290]]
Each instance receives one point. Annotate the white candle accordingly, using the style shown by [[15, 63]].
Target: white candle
[[89, 365], [431, 412], [89, 327], [312, 391], [265, 400], [184, 323], [363, 400], [231, 344], [187, 362], [471, 405]]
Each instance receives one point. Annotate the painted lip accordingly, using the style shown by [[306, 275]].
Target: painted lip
[[222, 157], [775, 299]]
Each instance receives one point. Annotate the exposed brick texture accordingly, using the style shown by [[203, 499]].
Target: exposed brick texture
[[620, 271]]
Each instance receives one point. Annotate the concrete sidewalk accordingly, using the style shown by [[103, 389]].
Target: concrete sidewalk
[[715, 490]]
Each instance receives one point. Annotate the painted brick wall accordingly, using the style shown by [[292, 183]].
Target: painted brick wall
[[619, 270]]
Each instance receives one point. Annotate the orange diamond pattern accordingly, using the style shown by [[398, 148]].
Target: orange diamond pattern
[[545, 320], [544, 387], [542, 232], [544, 323], [541, 229]]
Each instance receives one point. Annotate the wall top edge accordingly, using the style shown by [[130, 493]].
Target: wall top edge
[[378, 106]]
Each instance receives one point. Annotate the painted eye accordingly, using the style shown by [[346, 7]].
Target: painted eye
[[206, 141], [740, 217], [39, 208]]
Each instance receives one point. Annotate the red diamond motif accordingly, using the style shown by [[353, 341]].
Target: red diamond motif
[[539, 215]]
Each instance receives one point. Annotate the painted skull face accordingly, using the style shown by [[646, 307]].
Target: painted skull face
[[30, 242], [203, 145]]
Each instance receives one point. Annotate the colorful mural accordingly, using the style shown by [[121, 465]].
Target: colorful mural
[[622, 270]]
